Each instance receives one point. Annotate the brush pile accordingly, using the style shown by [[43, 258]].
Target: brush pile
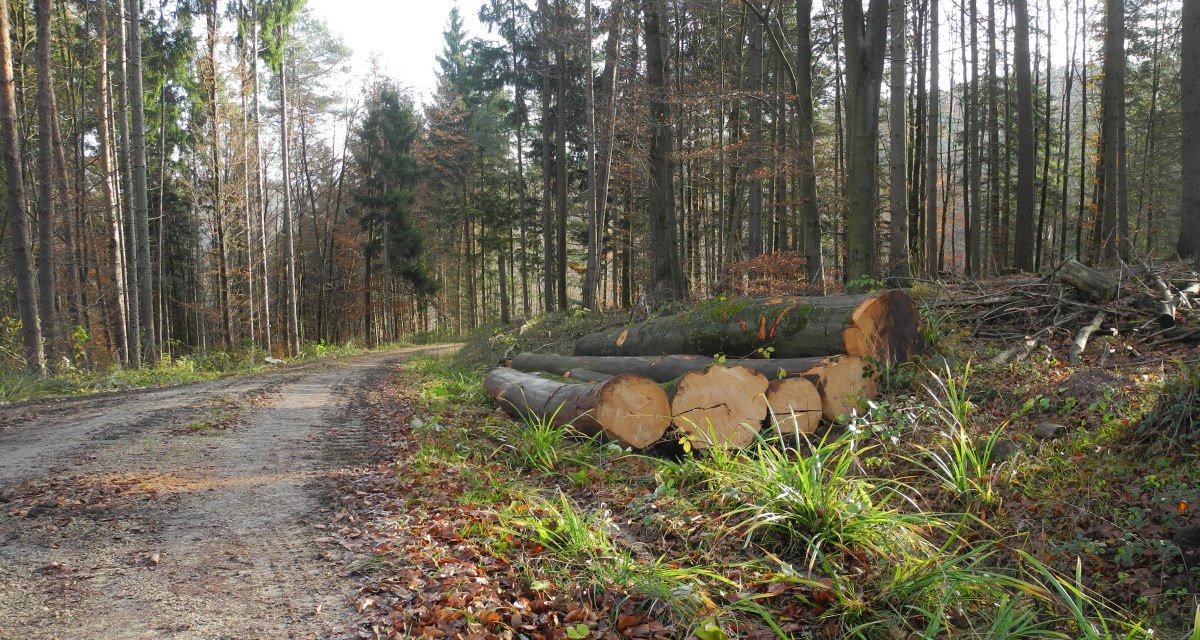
[[1143, 307]]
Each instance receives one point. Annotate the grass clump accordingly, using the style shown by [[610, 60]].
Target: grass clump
[[586, 557]]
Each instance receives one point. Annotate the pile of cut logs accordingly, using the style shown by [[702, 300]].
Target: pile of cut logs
[[788, 363]]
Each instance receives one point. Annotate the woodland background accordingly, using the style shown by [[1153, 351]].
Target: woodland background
[[183, 176]]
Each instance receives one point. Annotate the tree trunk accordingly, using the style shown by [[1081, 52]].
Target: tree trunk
[[753, 84], [18, 221], [865, 38], [560, 156], [608, 98], [900, 270], [115, 244], [931, 146], [260, 199], [289, 252], [47, 305], [885, 327], [549, 298], [1023, 238], [591, 278], [666, 275], [141, 202], [1189, 79], [810, 217], [218, 213], [627, 408], [1114, 242]]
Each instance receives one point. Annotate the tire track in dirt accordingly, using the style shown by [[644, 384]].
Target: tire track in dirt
[[216, 539]]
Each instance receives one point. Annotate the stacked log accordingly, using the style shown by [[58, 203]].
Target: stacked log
[[884, 327], [627, 408], [827, 352]]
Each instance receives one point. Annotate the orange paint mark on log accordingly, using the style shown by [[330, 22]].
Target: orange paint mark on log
[[779, 318], [762, 328], [621, 337]]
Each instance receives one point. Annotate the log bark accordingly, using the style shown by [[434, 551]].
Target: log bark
[[884, 327], [1097, 284], [628, 408], [795, 406], [720, 406], [659, 368]]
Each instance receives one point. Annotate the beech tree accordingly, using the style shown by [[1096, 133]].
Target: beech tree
[[866, 37]]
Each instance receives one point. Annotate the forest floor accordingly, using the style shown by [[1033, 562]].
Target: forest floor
[[194, 511], [1017, 499]]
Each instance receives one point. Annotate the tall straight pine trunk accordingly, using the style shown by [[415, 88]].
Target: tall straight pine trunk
[[18, 221], [141, 204]]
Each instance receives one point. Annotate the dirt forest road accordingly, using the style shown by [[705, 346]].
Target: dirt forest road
[[189, 512]]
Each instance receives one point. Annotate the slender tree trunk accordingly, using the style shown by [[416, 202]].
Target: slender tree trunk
[[47, 305], [1146, 189], [289, 253], [247, 202], [549, 299], [1023, 244], [115, 244], [975, 223], [560, 167], [900, 270], [1084, 79], [260, 177], [666, 275], [999, 248], [1041, 219], [608, 98], [810, 217], [218, 194], [931, 150], [141, 205], [753, 84], [18, 221], [1068, 88], [592, 276], [1189, 212]]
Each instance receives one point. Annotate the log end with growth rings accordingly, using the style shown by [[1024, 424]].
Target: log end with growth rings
[[720, 406], [635, 408]]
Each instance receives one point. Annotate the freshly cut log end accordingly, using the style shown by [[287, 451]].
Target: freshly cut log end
[[627, 408], [885, 328], [633, 409], [720, 406], [795, 405], [844, 383]]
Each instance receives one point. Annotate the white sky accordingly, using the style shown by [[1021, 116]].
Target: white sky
[[406, 35]]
